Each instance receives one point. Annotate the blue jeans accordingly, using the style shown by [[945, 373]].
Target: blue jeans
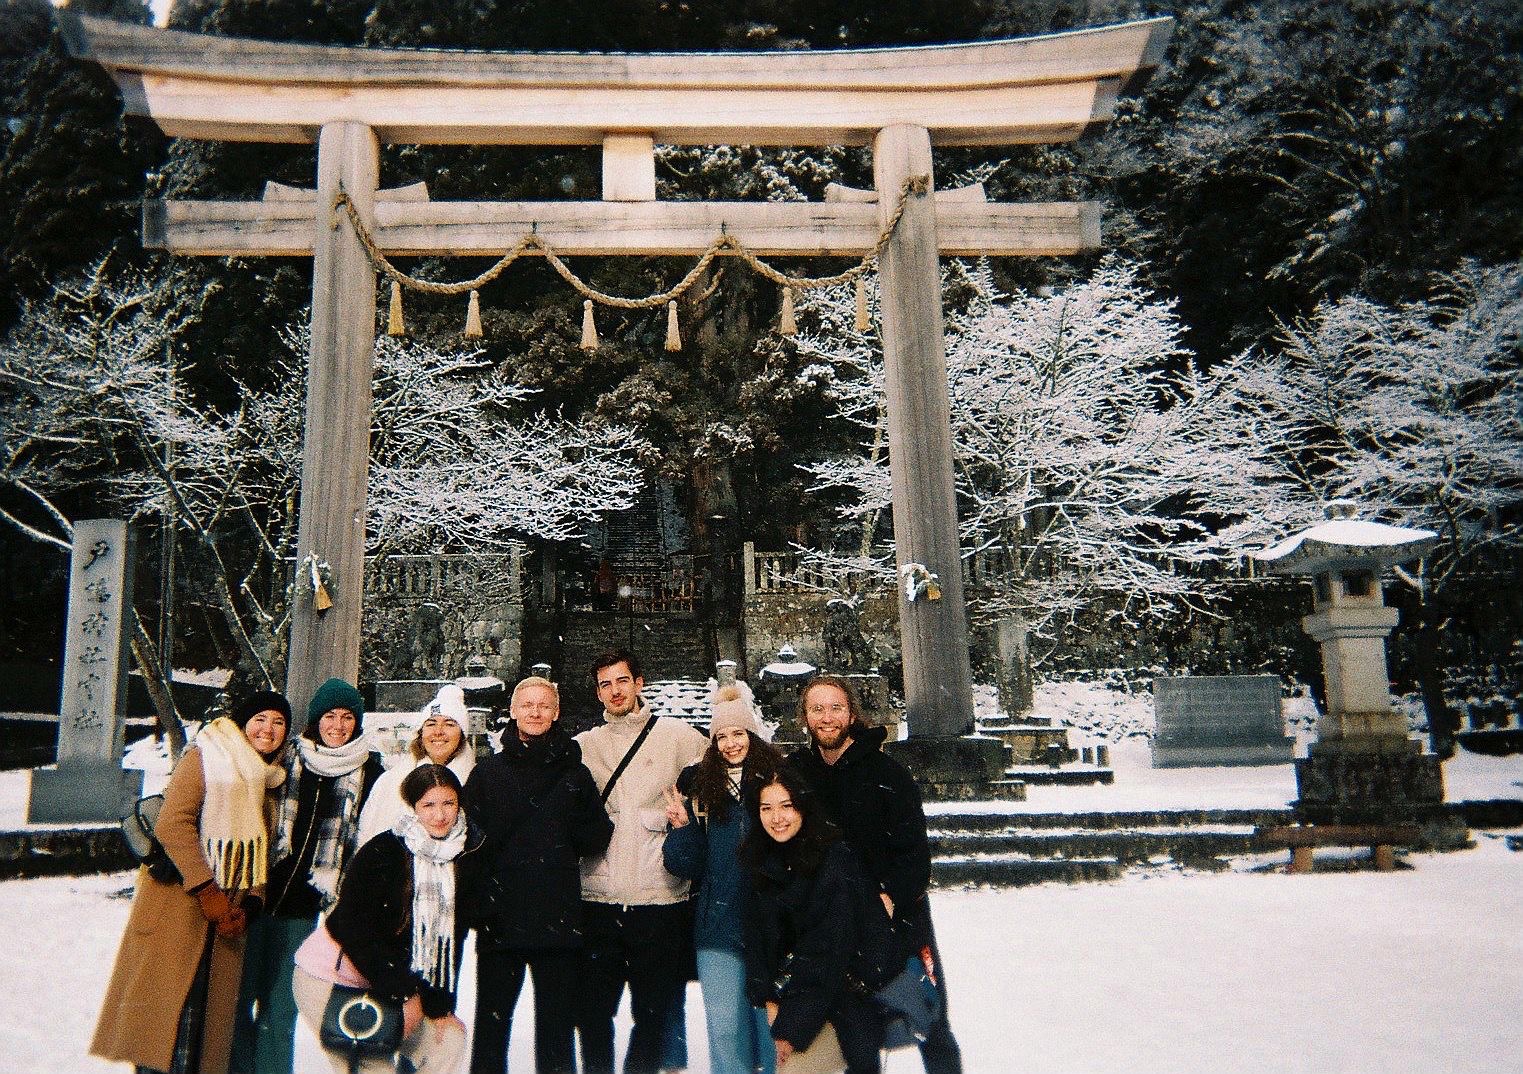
[[739, 1042]]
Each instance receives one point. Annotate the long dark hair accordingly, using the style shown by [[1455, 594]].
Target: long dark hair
[[711, 783], [805, 850]]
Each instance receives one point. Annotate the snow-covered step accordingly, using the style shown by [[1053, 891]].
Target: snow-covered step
[[958, 818], [1015, 870], [1178, 844]]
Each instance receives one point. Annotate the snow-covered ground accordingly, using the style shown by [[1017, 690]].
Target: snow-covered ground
[[1162, 970], [1168, 971]]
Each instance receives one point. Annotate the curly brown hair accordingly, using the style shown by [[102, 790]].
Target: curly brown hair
[[711, 783]]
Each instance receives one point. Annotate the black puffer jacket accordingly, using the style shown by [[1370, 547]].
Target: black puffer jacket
[[541, 813], [818, 943], [874, 801], [372, 920]]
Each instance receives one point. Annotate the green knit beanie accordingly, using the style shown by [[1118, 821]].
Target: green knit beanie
[[335, 694]]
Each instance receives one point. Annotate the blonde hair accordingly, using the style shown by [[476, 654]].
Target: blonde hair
[[535, 680]]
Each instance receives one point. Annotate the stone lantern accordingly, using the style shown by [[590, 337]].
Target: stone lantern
[[1363, 767]]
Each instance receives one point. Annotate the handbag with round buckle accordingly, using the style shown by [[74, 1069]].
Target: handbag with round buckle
[[357, 1022]]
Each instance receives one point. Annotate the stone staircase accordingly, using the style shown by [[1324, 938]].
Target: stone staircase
[[670, 647], [1015, 849]]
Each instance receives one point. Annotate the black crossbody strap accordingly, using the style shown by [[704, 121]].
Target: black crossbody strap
[[628, 756]]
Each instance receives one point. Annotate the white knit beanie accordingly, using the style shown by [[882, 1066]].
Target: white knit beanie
[[733, 708], [449, 702]]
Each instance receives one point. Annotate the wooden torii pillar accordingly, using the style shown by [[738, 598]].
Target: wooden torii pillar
[[900, 101]]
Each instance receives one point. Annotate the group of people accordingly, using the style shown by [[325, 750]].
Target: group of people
[[636, 855]]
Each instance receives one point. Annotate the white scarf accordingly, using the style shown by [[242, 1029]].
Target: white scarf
[[433, 897], [234, 836], [334, 760]]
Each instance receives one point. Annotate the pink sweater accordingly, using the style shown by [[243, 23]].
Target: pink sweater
[[322, 957]]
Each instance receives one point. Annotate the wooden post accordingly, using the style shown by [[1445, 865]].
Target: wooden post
[[938, 684], [336, 443]]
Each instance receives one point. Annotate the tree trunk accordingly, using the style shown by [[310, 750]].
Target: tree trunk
[[147, 656], [1443, 721]]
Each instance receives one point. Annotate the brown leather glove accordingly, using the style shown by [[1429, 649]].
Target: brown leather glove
[[233, 925], [215, 905]]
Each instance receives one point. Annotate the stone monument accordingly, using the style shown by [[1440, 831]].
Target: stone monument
[[1219, 720], [89, 783]]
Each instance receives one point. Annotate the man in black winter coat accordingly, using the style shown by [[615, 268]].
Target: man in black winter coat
[[541, 812], [874, 801]]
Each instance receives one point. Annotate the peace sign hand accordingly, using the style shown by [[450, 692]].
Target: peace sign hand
[[676, 807]]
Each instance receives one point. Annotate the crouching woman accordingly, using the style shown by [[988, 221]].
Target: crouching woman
[[819, 941], [170, 1003], [398, 926]]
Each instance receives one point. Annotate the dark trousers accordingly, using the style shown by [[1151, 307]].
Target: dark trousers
[[939, 1051], [499, 979], [638, 946]]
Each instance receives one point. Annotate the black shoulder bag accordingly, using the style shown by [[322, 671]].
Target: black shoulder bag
[[628, 756]]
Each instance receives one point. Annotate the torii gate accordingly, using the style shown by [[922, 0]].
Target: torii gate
[[901, 101]]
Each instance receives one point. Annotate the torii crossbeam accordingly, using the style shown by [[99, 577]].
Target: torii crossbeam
[[899, 101]]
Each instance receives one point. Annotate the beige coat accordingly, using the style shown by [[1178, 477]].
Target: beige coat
[[632, 873], [162, 946]]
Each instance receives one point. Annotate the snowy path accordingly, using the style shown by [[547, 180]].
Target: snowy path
[[1418, 970]]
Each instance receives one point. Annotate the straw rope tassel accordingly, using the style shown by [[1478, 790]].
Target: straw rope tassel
[[785, 321], [473, 317], [589, 327], [395, 326], [864, 322], [673, 336]]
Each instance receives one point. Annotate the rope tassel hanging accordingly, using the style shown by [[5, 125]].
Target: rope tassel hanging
[[673, 337], [473, 317], [786, 324], [589, 327], [395, 326], [724, 244]]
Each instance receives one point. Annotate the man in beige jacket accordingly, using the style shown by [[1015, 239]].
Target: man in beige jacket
[[634, 912]]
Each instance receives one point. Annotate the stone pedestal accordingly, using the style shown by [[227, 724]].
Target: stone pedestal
[[958, 769], [78, 793], [1352, 639], [1376, 781]]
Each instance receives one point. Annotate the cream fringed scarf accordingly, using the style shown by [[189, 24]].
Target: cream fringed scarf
[[233, 830]]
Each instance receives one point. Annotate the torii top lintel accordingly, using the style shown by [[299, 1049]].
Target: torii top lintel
[[1049, 88]]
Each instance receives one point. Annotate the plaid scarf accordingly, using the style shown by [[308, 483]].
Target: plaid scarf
[[337, 830], [433, 897]]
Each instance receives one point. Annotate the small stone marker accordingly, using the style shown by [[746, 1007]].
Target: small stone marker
[[89, 783], [1219, 720]]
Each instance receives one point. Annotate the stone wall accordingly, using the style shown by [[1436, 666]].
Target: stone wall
[[773, 619], [425, 616]]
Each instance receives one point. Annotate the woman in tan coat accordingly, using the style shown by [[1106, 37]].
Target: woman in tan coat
[[170, 1003]]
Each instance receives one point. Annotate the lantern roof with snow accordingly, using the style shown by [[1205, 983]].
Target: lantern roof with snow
[[1344, 542], [787, 665]]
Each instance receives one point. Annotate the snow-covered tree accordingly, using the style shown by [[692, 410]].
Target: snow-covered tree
[[460, 460], [1097, 468], [1416, 412]]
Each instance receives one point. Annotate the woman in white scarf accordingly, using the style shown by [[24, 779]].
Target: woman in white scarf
[[398, 926], [170, 1003], [442, 738]]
